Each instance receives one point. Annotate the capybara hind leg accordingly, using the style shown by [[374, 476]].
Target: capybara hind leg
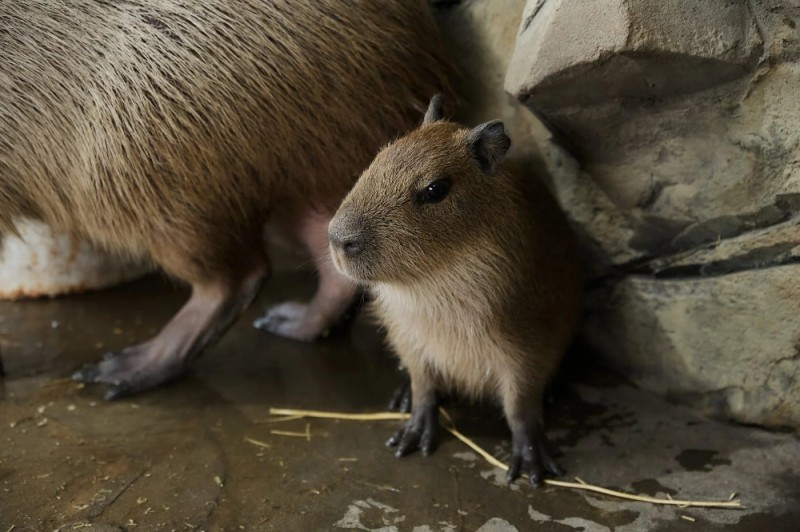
[[335, 296], [212, 308]]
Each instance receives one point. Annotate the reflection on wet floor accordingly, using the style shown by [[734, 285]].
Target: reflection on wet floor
[[197, 454]]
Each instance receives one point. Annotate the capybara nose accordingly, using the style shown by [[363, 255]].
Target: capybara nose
[[351, 243], [353, 246], [347, 235]]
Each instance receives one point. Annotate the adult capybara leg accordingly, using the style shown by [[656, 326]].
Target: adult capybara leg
[[213, 306], [334, 297]]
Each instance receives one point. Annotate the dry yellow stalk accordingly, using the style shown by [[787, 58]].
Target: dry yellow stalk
[[257, 442], [451, 428], [379, 416]]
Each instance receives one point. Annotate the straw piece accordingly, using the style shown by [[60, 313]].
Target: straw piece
[[279, 420], [378, 416], [451, 428], [257, 442], [289, 433]]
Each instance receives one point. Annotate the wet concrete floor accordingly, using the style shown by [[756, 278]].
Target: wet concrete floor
[[197, 455]]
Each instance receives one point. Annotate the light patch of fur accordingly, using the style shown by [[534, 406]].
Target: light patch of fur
[[448, 324]]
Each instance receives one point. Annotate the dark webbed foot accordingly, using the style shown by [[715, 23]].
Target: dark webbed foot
[[531, 455], [419, 432], [202, 320], [133, 370], [401, 398]]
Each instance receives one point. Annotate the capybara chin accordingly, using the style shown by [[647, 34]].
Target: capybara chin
[[177, 130], [473, 270]]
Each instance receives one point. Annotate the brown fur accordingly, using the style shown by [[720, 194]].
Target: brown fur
[[478, 292], [174, 130]]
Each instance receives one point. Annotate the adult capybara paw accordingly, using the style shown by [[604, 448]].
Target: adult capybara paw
[[292, 320], [531, 456], [419, 432], [133, 370]]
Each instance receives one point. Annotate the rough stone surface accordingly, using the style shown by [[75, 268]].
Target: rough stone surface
[[695, 327], [682, 120], [587, 51], [36, 262]]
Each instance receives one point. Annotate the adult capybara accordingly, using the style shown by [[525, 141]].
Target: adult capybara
[[177, 130]]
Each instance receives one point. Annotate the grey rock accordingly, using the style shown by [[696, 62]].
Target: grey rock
[[729, 345], [584, 52], [685, 190], [775, 245]]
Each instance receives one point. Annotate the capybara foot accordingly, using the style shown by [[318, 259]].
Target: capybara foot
[[419, 432], [133, 370], [293, 320], [531, 455]]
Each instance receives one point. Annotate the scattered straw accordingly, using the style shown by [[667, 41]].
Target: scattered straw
[[306, 434], [380, 487], [288, 433], [687, 518], [379, 416], [449, 425], [278, 420], [257, 442]]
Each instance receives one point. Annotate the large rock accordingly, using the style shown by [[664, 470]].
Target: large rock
[[588, 51], [728, 344], [683, 120]]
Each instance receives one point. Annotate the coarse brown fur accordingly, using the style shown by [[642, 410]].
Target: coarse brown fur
[[478, 292], [175, 130]]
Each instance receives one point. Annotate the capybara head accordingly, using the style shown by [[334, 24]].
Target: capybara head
[[425, 200]]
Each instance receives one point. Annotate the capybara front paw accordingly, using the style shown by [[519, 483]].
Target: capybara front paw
[[531, 455], [419, 432], [133, 370]]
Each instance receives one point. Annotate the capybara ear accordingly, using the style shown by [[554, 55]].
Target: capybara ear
[[489, 143], [435, 111]]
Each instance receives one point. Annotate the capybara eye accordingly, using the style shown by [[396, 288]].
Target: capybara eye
[[435, 192]]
